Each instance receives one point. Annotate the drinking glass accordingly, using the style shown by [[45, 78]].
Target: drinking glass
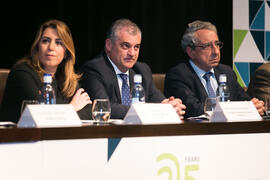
[[267, 106], [209, 106], [25, 102], [101, 111]]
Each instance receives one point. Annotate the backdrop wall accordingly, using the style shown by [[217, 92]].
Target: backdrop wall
[[251, 37], [162, 23]]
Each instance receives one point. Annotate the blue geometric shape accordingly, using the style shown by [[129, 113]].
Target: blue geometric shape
[[253, 9], [253, 67], [258, 37], [242, 68], [267, 45], [258, 21], [112, 145]]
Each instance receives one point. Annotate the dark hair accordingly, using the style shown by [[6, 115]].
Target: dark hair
[[118, 25], [189, 38]]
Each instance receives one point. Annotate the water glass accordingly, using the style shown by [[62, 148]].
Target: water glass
[[267, 106], [209, 106], [25, 102], [101, 111]]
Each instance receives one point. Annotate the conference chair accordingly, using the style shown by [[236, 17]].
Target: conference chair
[[158, 79], [3, 79]]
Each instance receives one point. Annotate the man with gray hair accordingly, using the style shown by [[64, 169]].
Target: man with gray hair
[[110, 75], [197, 79]]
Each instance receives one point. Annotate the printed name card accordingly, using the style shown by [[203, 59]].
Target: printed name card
[[53, 115], [151, 113], [235, 111]]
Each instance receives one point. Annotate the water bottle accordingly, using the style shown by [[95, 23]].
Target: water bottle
[[47, 92], [223, 91], [138, 95]]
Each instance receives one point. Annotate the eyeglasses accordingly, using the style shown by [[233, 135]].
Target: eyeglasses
[[209, 45]]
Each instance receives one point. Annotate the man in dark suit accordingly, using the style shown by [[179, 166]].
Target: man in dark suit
[[102, 76], [187, 80], [259, 85]]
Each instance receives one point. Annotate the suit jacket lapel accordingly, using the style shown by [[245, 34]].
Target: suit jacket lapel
[[198, 81], [217, 73], [131, 81], [114, 79]]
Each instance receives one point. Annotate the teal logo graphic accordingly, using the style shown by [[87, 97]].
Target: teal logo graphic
[[174, 160], [251, 38], [112, 145]]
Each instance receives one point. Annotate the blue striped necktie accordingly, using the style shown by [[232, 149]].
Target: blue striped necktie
[[211, 92], [126, 100]]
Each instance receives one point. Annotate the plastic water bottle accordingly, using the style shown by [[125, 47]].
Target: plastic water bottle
[[47, 92], [223, 91], [138, 95]]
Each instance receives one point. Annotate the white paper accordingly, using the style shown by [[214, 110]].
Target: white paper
[[94, 122], [4, 124], [151, 113], [198, 119], [56, 115], [235, 111]]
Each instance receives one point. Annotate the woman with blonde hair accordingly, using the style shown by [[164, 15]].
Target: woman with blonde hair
[[52, 52]]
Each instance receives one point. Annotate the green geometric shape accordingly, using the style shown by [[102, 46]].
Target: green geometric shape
[[239, 78], [238, 37]]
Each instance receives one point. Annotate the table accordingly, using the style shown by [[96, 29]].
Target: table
[[189, 151]]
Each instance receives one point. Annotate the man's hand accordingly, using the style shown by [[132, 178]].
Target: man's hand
[[177, 105], [259, 105]]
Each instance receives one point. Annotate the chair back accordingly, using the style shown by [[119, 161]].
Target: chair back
[[3, 80], [158, 79]]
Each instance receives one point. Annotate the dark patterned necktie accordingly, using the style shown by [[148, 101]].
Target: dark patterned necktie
[[126, 100], [211, 92]]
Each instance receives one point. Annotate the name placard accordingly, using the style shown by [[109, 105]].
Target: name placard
[[152, 113], [235, 111], [53, 115]]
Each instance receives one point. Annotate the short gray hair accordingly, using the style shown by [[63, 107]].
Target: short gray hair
[[189, 38], [119, 24]]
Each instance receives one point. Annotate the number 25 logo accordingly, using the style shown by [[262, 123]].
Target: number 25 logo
[[167, 169]]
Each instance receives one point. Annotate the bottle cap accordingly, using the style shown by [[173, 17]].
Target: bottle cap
[[222, 78], [47, 78], [137, 78]]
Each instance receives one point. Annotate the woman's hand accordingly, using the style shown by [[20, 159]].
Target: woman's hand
[[80, 99]]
